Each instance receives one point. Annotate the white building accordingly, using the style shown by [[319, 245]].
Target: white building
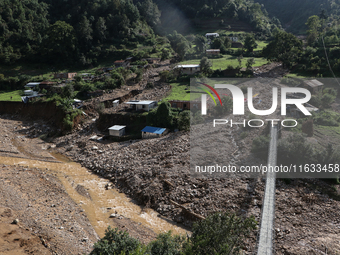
[[32, 84], [115, 103], [117, 130], [189, 69], [142, 105], [208, 35]]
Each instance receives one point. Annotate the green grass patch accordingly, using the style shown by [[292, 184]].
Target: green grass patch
[[298, 75], [328, 130], [181, 91], [260, 45], [223, 63], [6, 96]]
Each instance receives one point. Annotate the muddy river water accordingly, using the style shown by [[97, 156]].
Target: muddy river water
[[101, 203]]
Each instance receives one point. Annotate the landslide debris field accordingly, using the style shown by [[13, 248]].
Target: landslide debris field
[[156, 174]]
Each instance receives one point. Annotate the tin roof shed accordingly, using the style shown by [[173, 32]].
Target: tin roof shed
[[154, 130]]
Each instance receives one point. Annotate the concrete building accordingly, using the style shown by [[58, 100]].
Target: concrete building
[[117, 130], [153, 132], [213, 52], [121, 63], [314, 86], [189, 69], [64, 75], [115, 103], [142, 105]]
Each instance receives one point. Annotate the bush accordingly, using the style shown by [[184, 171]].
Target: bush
[[295, 150], [150, 85], [243, 135], [260, 146], [326, 119], [67, 123], [184, 120], [115, 242], [220, 233], [166, 244]]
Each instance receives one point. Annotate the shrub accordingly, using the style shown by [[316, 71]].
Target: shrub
[[67, 123], [243, 135], [150, 85], [244, 89], [220, 233], [295, 150], [115, 242], [325, 119], [184, 120], [166, 244], [260, 146]]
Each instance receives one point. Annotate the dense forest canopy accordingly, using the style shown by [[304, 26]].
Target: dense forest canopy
[[83, 31], [183, 12], [294, 14]]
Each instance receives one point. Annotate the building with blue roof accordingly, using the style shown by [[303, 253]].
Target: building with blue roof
[[153, 132]]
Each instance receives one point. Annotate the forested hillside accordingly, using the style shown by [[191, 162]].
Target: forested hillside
[[181, 14], [294, 14], [82, 32]]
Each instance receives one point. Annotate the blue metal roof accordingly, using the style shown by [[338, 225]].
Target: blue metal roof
[[155, 130]]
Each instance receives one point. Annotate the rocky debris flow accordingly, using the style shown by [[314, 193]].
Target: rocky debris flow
[[272, 70], [37, 203], [150, 87]]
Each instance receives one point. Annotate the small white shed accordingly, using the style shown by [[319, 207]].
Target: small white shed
[[117, 130], [115, 103]]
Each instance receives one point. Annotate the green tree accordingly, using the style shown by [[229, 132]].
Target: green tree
[[250, 63], [182, 49], [164, 115], [100, 32], [61, 40], [166, 244], [68, 91], [184, 120], [250, 43], [220, 233], [115, 241], [314, 25], [165, 54], [149, 10], [285, 48], [200, 42], [205, 65]]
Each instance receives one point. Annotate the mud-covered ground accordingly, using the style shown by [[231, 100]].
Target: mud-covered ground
[[156, 173], [50, 222]]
